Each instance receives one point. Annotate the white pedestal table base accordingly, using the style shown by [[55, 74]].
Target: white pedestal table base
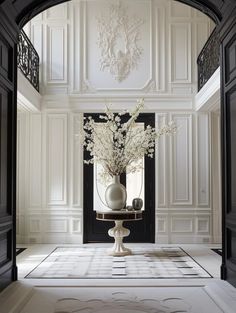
[[119, 232]]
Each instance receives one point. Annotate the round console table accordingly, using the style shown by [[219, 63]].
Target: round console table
[[119, 232]]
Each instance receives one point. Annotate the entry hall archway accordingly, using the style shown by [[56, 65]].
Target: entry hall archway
[[13, 15]]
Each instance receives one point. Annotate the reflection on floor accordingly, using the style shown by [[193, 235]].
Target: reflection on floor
[[119, 295]]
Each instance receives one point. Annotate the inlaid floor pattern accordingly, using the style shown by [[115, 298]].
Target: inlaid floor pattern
[[86, 262]]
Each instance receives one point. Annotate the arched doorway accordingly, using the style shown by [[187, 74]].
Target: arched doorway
[[14, 15]]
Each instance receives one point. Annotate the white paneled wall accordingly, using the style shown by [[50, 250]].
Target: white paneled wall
[[183, 208], [50, 199], [78, 76], [49, 178]]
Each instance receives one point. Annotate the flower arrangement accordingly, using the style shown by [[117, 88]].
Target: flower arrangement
[[120, 146]]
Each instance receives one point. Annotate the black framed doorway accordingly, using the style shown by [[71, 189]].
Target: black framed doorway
[[13, 16], [141, 231]]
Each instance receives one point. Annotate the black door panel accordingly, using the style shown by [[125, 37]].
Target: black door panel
[[8, 271]]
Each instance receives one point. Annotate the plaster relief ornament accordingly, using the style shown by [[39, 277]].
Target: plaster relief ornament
[[118, 36], [123, 302]]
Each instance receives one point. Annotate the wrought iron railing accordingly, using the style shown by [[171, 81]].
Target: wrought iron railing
[[209, 59], [28, 59]]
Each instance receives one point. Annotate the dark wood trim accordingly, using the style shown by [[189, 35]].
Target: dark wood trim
[[13, 166], [223, 167], [207, 7], [228, 21], [228, 108], [32, 9], [8, 116], [119, 217]]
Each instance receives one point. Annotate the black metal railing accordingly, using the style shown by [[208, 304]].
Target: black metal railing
[[209, 59], [28, 59]]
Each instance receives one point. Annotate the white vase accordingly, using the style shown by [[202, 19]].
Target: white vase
[[116, 195]]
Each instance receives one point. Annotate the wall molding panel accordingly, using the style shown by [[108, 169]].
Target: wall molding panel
[[35, 225], [96, 80], [37, 38], [75, 47], [161, 48], [179, 12], [35, 162], [161, 225], [56, 225], [181, 224], [57, 159], [180, 42], [57, 53], [161, 164], [77, 161], [203, 225], [119, 65], [76, 225], [203, 154], [57, 12], [181, 152], [216, 200]]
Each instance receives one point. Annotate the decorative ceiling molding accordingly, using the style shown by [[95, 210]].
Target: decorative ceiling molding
[[118, 36], [150, 87], [86, 87]]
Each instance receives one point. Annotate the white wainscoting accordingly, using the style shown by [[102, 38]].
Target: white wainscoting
[[183, 226]]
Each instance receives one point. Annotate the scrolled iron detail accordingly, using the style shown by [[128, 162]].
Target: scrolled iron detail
[[28, 59], [209, 59]]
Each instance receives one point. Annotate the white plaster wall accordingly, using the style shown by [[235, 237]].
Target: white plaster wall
[[50, 177]]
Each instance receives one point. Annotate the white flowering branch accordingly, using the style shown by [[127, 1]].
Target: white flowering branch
[[119, 147]]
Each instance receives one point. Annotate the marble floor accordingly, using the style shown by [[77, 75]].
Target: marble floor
[[30, 258], [94, 262], [120, 295]]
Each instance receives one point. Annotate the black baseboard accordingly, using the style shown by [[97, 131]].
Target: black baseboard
[[19, 250], [218, 251]]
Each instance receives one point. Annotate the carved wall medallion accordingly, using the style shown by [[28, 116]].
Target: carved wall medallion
[[118, 37]]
